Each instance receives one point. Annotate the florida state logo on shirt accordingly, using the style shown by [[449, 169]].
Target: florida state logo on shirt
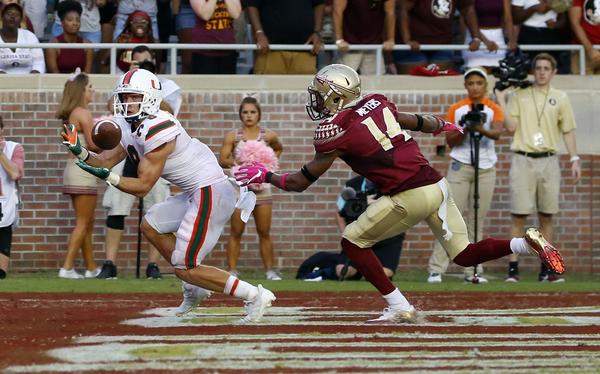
[[441, 8], [592, 11]]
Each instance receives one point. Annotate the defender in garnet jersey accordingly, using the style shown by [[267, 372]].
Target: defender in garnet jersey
[[370, 135]]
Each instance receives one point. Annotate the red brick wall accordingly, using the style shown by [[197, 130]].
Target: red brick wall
[[302, 223]]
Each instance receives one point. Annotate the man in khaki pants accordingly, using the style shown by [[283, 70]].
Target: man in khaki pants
[[539, 116], [461, 173]]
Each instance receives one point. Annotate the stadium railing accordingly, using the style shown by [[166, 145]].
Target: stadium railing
[[174, 47]]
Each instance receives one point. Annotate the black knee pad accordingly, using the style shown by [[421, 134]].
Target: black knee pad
[[115, 222]]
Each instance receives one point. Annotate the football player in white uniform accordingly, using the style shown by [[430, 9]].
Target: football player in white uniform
[[185, 227]]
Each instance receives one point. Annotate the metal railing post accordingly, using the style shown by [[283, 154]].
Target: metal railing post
[[582, 65], [379, 61], [173, 52], [113, 60]]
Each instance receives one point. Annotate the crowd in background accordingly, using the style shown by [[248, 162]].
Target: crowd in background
[[487, 27]]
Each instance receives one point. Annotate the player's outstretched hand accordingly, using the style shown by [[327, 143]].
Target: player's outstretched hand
[[255, 173], [101, 173], [445, 126], [71, 141]]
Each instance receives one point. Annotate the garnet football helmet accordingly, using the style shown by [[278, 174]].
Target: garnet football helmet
[[141, 82], [334, 87]]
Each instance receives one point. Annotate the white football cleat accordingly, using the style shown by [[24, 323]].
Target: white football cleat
[[192, 296], [257, 307], [391, 315]]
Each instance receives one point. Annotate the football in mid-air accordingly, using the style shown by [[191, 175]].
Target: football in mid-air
[[106, 134]]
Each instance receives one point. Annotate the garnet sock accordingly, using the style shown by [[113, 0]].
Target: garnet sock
[[368, 265], [482, 251]]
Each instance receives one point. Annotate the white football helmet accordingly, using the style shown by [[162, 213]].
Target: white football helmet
[[142, 82], [334, 87]]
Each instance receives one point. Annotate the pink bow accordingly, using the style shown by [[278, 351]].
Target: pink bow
[[75, 74]]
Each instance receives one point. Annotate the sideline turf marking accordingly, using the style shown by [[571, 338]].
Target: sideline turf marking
[[286, 316], [390, 351]]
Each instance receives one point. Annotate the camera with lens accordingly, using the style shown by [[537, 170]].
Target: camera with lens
[[473, 118], [356, 202], [512, 71], [148, 65], [355, 206]]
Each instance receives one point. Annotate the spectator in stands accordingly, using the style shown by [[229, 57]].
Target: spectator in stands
[[20, 60], [285, 22], [251, 140], [585, 24], [495, 22], [430, 22], [108, 12], [214, 25], [127, 8], [327, 36], [78, 184], [185, 21], [539, 116], [25, 21], [137, 31], [67, 60], [363, 22], [37, 16], [90, 20], [488, 125], [119, 203], [539, 24], [12, 159], [143, 58]]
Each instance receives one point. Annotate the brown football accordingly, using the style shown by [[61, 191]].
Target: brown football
[[106, 134]]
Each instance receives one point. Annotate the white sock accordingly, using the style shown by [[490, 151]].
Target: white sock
[[396, 300], [519, 246], [240, 289]]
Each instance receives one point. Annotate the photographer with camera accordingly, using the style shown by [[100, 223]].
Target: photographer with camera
[[356, 195], [538, 116], [483, 121]]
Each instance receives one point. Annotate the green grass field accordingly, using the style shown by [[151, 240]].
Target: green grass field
[[409, 282]]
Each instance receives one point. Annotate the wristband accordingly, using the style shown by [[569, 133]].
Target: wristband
[[259, 32], [113, 179], [419, 122], [268, 176], [84, 154], [282, 179], [308, 175], [339, 41], [575, 158]]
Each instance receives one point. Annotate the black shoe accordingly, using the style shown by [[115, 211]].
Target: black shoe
[[152, 271], [109, 270]]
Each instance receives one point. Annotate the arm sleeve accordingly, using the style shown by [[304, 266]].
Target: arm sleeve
[[18, 157], [498, 113], [566, 117], [37, 54]]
